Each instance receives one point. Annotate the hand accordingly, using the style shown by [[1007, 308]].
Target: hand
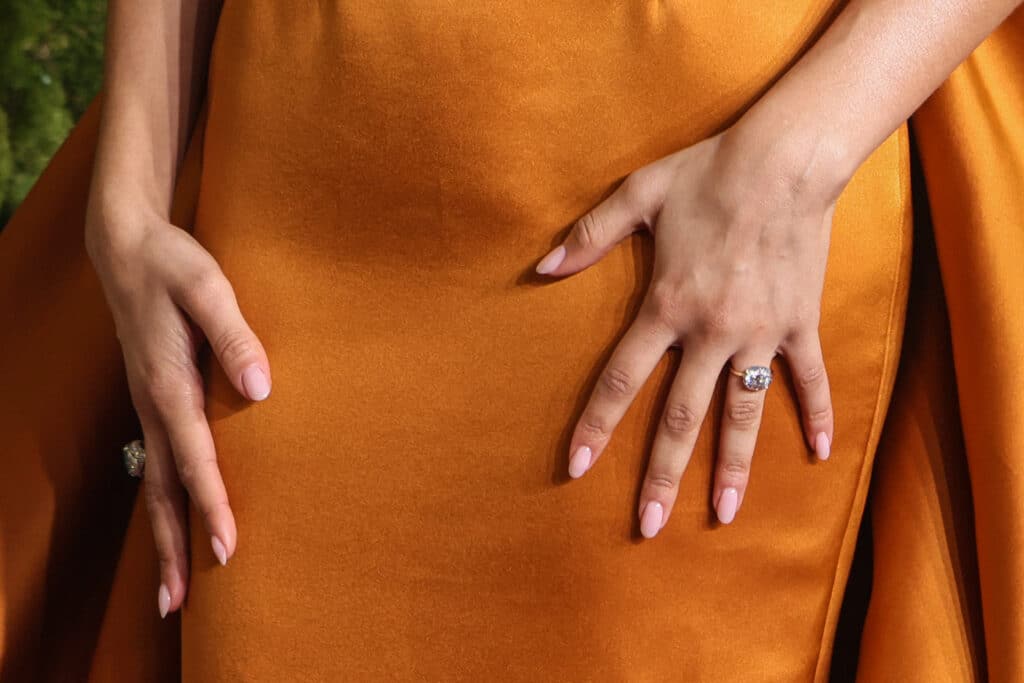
[[155, 277], [739, 265]]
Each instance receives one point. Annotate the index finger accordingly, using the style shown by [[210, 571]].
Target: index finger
[[631, 363]]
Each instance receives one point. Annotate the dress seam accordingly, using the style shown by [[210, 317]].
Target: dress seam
[[883, 396]]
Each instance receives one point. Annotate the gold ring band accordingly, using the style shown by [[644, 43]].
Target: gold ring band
[[754, 378]]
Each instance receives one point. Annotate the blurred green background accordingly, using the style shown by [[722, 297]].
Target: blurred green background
[[51, 66]]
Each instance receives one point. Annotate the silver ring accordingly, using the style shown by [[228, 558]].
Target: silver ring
[[755, 378], [134, 458]]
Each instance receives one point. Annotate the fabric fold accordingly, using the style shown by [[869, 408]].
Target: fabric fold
[[943, 484], [77, 567]]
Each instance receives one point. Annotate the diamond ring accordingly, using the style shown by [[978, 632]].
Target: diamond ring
[[134, 458], [755, 378]]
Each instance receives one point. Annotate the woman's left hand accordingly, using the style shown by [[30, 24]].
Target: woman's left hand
[[741, 247]]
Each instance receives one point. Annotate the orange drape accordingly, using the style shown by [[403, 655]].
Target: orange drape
[[947, 503], [72, 569]]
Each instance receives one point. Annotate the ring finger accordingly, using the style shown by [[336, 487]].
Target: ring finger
[[166, 507], [741, 419]]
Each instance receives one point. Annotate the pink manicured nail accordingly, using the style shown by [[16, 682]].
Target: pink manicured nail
[[552, 260], [218, 550], [579, 462], [255, 383], [727, 505], [163, 600], [650, 521], [821, 446]]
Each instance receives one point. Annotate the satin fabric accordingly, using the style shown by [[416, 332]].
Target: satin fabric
[[948, 501], [377, 192]]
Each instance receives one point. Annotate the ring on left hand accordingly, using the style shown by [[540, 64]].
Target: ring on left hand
[[755, 377]]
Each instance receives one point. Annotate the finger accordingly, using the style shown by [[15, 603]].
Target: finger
[[208, 298], [741, 419], [807, 364], [165, 503], [685, 408], [631, 363], [178, 399], [596, 232]]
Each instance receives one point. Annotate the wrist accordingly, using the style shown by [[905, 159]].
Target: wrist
[[115, 222], [802, 161]]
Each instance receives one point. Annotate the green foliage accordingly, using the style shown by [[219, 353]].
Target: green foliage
[[51, 66], [6, 158]]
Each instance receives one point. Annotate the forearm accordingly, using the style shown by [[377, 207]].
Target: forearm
[[155, 64], [876, 63]]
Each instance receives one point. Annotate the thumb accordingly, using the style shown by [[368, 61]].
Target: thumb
[[210, 302], [595, 233]]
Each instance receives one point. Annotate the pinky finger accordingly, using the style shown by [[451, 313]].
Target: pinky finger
[[165, 503], [808, 367]]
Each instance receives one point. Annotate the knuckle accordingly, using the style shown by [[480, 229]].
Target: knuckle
[[736, 468], [142, 401], [191, 469], [188, 471], [811, 377], [662, 481], [166, 559], [588, 231], [822, 415], [593, 429], [235, 346], [744, 413], [718, 322], [665, 304], [680, 419], [209, 508], [630, 186], [806, 318], [635, 189], [157, 498], [163, 381], [167, 388], [617, 382], [758, 327], [208, 284]]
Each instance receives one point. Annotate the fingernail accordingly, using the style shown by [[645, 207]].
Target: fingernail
[[552, 260], [163, 600], [255, 383], [579, 462], [727, 505], [650, 521], [821, 446], [219, 551]]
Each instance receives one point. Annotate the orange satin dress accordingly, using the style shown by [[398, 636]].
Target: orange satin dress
[[377, 181]]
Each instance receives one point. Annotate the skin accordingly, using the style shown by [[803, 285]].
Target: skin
[[741, 224], [166, 292]]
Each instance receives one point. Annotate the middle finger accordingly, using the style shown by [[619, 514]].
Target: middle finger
[[685, 408], [195, 456]]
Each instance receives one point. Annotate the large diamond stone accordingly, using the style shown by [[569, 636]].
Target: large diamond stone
[[134, 458], [757, 378]]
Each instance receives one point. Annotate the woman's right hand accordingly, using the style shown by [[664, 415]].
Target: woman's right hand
[[166, 293]]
